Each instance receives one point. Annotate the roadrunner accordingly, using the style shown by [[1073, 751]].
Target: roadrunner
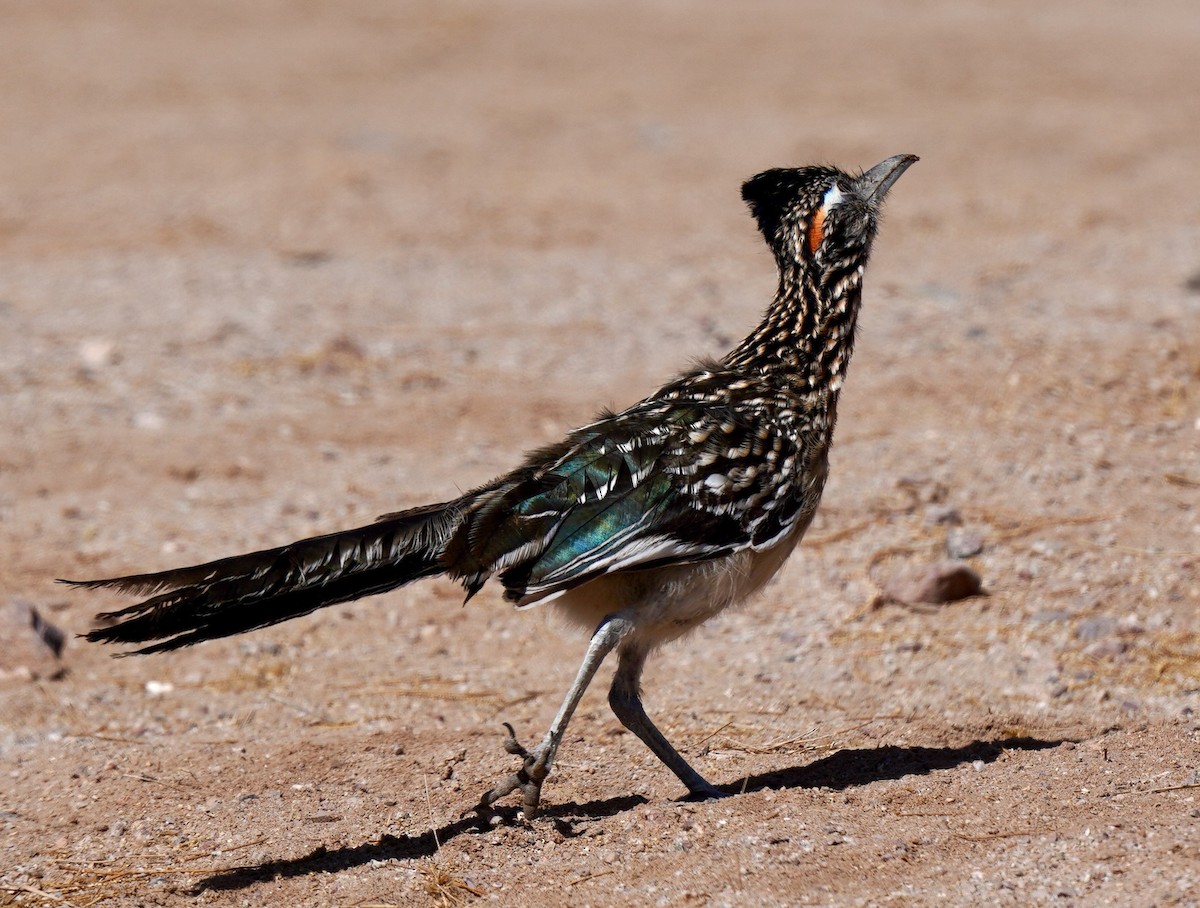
[[640, 526]]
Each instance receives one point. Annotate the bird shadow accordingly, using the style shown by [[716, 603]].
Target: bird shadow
[[861, 766], [841, 770], [408, 847]]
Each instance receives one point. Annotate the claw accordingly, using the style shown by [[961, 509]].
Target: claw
[[512, 745], [528, 778]]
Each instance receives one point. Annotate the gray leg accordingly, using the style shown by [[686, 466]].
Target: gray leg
[[537, 762], [625, 698]]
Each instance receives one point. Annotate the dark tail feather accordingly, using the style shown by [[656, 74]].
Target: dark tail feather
[[246, 592]]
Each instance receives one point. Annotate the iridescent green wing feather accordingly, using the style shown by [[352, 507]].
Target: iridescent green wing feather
[[610, 498]]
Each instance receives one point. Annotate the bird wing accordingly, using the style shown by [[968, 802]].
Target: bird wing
[[629, 492]]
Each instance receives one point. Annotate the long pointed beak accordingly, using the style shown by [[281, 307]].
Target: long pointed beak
[[875, 183]]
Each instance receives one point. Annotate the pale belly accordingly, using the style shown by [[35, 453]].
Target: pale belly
[[666, 603]]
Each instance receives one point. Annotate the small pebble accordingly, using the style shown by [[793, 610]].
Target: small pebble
[[945, 581], [30, 646], [97, 352], [942, 515], [149, 421], [1106, 649], [963, 542]]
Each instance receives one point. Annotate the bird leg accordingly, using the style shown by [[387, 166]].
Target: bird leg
[[538, 761], [625, 698]]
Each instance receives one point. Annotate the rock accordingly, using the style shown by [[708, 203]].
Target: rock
[[149, 421], [942, 515], [963, 542], [30, 646], [944, 581], [97, 352], [51, 635], [1104, 650]]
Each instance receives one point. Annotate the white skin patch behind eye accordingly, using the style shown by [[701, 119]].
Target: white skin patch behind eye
[[833, 197]]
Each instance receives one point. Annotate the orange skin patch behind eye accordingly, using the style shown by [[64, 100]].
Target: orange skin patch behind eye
[[816, 230]]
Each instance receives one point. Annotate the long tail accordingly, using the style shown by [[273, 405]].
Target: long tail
[[250, 591]]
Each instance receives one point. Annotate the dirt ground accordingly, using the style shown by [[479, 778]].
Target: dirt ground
[[271, 269]]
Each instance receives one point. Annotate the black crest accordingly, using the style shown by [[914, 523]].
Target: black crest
[[774, 194]]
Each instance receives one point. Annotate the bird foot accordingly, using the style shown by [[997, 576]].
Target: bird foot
[[707, 793], [534, 769]]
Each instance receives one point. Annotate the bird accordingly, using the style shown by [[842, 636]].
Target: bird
[[638, 527]]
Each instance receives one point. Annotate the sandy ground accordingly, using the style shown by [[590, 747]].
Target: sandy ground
[[270, 269]]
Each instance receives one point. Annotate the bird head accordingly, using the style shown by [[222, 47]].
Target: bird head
[[820, 215]]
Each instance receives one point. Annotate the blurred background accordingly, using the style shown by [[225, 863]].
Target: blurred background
[[269, 269]]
